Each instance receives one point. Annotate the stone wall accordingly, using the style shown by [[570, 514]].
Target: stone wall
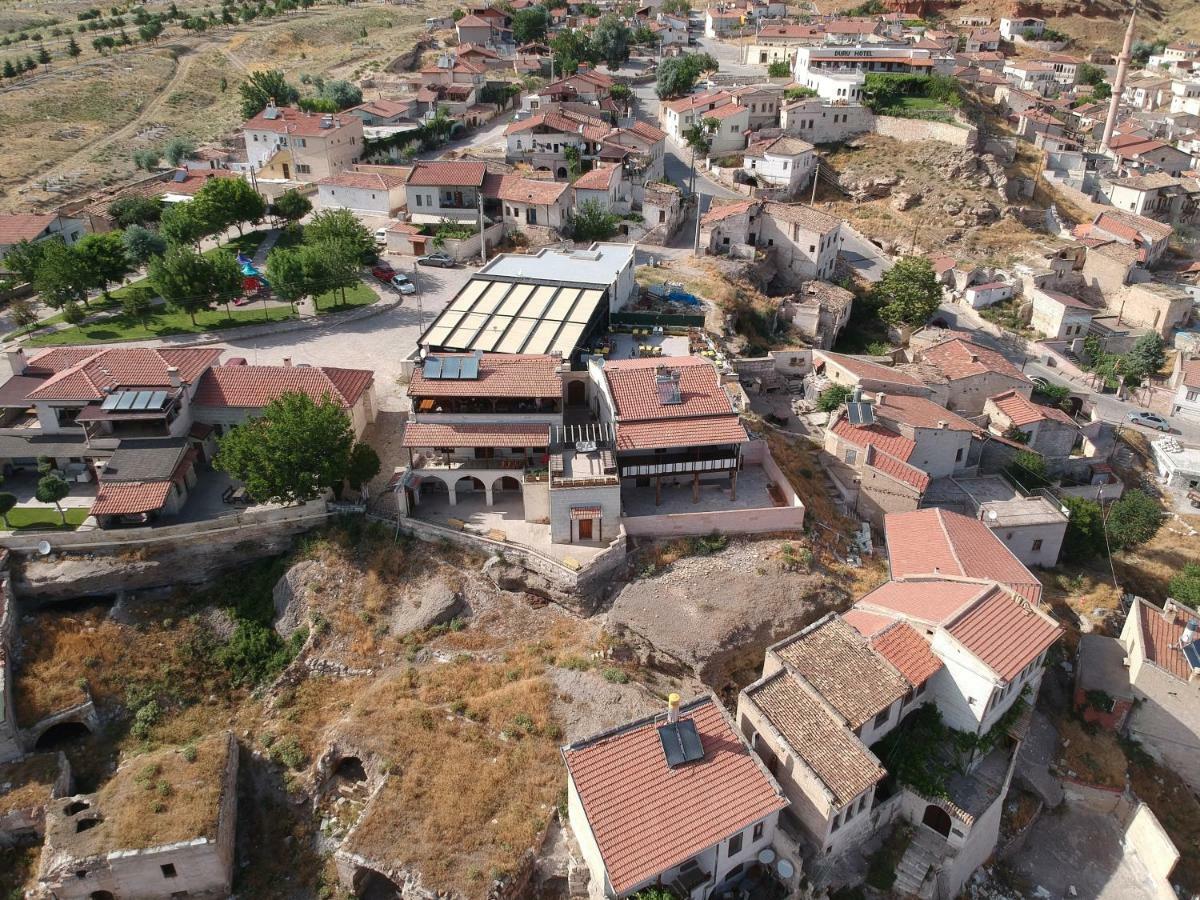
[[912, 130], [10, 741]]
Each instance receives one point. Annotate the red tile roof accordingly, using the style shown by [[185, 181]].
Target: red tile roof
[[472, 22], [920, 412], [936, 541], [647, 817], [373, 181], [863, 368], [456, 173], [1137, 225], [539, 192], [424, 434], [123, 367], [908, 650], [1004, 632], [726, 111], [897, 469], [931, 601], [23, 227], [725, 210], [292, 121], [1160, 633], [55, 359], [960, 358], [634, 392], [564, 122], [500, 375], [867, 623], [698, 432], [1191, 373], [895, 445], [127, 498], [1065, 299], [648, 131], [253, 387], [598, 179], [695, 101], [1025, 412]]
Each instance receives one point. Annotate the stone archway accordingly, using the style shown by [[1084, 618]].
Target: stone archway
[[506, 483], [938, 819], [576, 393], [61, 733], [369, 884]]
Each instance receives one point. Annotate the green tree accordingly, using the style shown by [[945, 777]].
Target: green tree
[[779, 69], [21, 312], [292, 206], [1102, 91], [73, 313], [1185, 586], [10, 71], [225, 279], [332, 265], [262, 87], [1084, 539], [73, 49], [137, 303], [104, 259], [678, 74], [340, 224], [592, 222], [610, 41], [60, 279], [362, 466], [229, 201], [1146, 357], [52, 488], [530, 24], [182, 278], [142, 244], [1133, 520], [833, 397], [342, 94], [570, 47], [1028, 468], [798, 92], [294, 452], [24, 257], [1089, 74], [135, 210], [184, 224], [146, 159], [909, 292], [177, 149], [286, 272], [620, 92], [43, 56], [7, 502]]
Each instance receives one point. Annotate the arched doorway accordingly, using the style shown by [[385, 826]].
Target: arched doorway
[[507, 483], [466, 485], [938, 819], [562, 172], [371, 885], [576, 393], [101, 895], [61, 734]]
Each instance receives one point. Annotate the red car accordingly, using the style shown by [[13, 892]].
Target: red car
[[383, 272]]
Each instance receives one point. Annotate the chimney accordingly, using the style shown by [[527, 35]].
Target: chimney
[[173, 376], [287, 362], [271, 110], [672, 709], [943, 424], [880, 398], [17, 361], [974, 357]]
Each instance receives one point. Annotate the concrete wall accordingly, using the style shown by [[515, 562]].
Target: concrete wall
[[1145, 835], [536, 497], [608, 497], [1167, 721], [968, 395], [911, 130], [1020, 539], [588, 847]]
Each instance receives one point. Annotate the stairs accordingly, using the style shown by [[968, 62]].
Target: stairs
[[916, 875]]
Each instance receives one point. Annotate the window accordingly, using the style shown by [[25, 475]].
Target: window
[[756, 836], [168, 870], [303, 168], [418, 199], [882, 718], [862, 802], [958, 455], [851, 457], [837, 822], [735, 844], [1037, 545], [1193, 396]]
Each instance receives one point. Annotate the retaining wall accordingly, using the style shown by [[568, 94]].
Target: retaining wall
[[924, 130], [1147, 838]]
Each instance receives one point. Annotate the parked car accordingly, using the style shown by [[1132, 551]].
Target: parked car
[[383, 272], [1149, 420], [381, 236], [441, 260], [402, 284], [1040, 382]]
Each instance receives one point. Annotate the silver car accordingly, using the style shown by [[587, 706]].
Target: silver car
[[1149, 420], [402, 284]]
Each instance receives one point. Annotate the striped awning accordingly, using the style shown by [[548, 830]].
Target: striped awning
[[585, 512]]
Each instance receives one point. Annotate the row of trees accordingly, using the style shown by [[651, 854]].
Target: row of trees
[[678, 74], [262, 87], [335, 246], [1146, 357]]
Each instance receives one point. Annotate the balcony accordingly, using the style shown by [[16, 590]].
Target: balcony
[[677, 464], [455, 463]]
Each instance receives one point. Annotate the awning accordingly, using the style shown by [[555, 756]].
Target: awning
[[126, 498], [585, 512], [423, 434]]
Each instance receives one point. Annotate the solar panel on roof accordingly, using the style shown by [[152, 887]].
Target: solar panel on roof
[[860, 413], [451, 366], [470, 368], [142, 400], [432, 367], [180, 176], [126, 400], [680, 742], [110, 401], [1191, 653], [158, 399]]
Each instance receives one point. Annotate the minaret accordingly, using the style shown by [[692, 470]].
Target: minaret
[[1114, 103]]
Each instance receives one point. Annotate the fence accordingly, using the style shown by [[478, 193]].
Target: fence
[[650, 320]]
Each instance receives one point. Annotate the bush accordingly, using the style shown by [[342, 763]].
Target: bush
[[1185, 586], [833, 397], [615, 676], [1133, 520]]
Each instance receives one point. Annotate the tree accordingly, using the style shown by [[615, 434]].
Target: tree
[[909, 292], [362, 466], [142, 244], [177, 149], [294, 452], [225, 279], [798, 92], [53, 488], [342, 94], [229, 201], [285, 271], [10, 71], [43, 56], [60, 278], [592, 222], [103, 258], [570, 47], [1146, 357], [182, 277], [620, 92], [1133, 519], [1184, 587], [833, 397], [21, 312], [7, 502], [150, 32], [292, 206], [779, 69], [610, 41], [73, 49], [261, 88], [1028, 468], [183, 224], [137, 303], [1102, 91], [135, 210], [24, 257], [73, 313], [1087, 73], [338, 224], [1084, 539], [530, 24], [678, 74]]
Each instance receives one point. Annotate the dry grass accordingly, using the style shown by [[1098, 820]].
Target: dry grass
[[1093, 756], [30, 782], [1177, 809], [1076, 595], [1146, 570]]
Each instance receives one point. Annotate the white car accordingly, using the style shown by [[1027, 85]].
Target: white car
[[381, 236], [403, 284]]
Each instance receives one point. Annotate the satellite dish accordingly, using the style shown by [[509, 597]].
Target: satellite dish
[[43, 548], [992, 515]]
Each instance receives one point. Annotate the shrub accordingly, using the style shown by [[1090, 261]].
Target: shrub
[[145, 718], [615, 676], [833, 397]]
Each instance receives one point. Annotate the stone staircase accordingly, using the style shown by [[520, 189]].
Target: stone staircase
[[916, 875]]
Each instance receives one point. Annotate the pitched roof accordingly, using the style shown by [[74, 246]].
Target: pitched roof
[[1158, 231], [647, 817], [472, 21], [127, 498], [865, 622], [864, 368], [784, 145], [118, 367], [937, 541], [1191, 373], [897, 469], [648, 131], [565, 122], [698, 432], [832, 751], [1064, 299], [500, 375], [253, 387], [56, 359], [145, 459], [874, 435], [908, 650], [960, 358], [292, 121], [424, 434], [1004, 632], [931, 601], [920, 412], [695, 101], [1160, 632], [727, 111], [1025, 412], [597, 179], [518, 189], [458, 173], [717, 213], [836, 661], [804, 216], [23, 226], [635, 393], [371, 181]]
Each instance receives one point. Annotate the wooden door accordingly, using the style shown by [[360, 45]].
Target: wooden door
[[585, 529]]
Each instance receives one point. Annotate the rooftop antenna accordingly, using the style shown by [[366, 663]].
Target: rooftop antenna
[[1118, 88]]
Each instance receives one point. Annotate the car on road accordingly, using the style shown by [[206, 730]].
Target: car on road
[[441, 260], [402, 284], [381, 236], [1149, 420], [383, 272]]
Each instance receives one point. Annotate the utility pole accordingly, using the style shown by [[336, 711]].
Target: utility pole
[[1114, 102], [696, 240], [816, 177], [482, 241]]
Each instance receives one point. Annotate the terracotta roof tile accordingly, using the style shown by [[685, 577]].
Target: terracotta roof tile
[[1160, 633], [632, 383], [804, 216], [836, 661], [920, 412], [500, 375], [723, 211], [123, 367], [127, 498], [897, 469], [425, 434], [838, 758], [647, 817], [23, 227], [864, 368], [1004, 632], [865, 622], [292, 121], [253, 387], [936, 541], [698, 432], [1191, 373], [457, 173], [598, 179], [908, 650], [960, 358], [1025, 412], [374, 181], [517, 189], [923, 600], [895, 445]]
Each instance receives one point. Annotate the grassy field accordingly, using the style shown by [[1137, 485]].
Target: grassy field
[[45, 518]]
